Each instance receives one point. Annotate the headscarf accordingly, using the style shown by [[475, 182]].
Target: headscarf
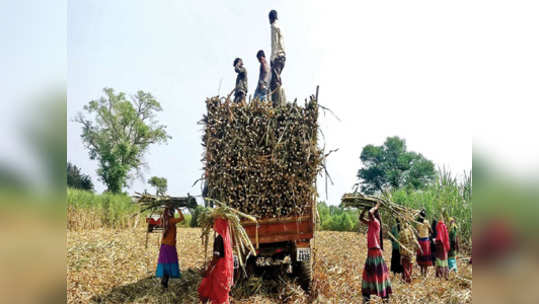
[[226, 274], [217, 284], [422, 215], [442, 235]]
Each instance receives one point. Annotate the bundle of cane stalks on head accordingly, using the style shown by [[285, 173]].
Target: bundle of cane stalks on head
[[361, 201], [151, 203], [242, 243]]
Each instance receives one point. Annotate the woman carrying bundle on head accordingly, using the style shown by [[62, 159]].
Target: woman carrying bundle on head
[[396, 266], [442, 247], [453, 244], [218, 278], [375, 273], [167, 264], [424, 258], [409, 244]]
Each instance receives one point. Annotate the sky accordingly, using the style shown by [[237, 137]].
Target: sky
[[33, 72], [384, 70]]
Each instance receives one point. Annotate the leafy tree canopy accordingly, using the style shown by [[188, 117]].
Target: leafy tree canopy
[[392, 166], [118, 131], [78, 180], [159, 183]]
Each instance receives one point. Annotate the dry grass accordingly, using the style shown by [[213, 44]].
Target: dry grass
[[107, 266]]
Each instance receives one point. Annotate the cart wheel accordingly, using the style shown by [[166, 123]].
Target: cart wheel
[[304, 271], [250, 268], [238, 274]]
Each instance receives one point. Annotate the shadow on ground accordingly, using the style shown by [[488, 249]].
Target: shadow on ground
[[185, 290], [149, 290]]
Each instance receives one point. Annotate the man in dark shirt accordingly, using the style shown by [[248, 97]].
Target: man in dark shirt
[[261, 92], [241, 80]]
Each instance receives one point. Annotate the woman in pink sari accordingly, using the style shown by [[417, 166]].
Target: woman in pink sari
[[219, 276], [442, 248]]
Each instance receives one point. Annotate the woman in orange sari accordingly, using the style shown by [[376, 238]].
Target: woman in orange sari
[[167, 264]]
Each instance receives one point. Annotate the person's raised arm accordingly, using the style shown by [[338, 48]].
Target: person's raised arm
[[373, 209], [362, 217], [239, 68], [177, 219]]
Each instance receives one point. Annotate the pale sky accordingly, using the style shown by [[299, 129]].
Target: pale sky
[[384, 70]]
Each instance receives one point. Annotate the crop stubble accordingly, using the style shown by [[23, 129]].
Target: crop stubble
[[112, 266]]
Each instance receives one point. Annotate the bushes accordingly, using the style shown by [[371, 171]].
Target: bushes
[[337, 219]]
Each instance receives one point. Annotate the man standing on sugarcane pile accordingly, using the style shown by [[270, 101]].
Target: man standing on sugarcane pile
[[261, 92], [241, 81], [218, 278], [277, 60]]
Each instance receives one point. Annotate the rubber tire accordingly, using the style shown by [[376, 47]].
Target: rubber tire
[[304, 272], [250, 268]]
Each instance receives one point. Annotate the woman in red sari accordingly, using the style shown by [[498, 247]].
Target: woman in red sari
[[442, 248], [219, 276]]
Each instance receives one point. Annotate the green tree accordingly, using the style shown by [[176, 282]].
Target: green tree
[[392, 166], [78, 180], [159, 183], [118, 132]]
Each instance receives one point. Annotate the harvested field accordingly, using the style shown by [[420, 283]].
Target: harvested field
[[113, 266]]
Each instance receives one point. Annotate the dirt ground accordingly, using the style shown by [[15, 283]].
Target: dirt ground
[[107, 266]]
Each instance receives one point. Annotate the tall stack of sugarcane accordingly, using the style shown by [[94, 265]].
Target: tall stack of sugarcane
[[260, 159]]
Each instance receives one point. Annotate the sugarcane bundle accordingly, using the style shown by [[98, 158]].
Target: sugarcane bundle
[[260, 159], [242, 243], [361, 201], [154, 202]]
